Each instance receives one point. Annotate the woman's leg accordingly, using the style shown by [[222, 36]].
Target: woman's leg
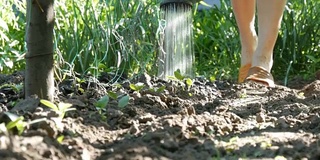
[[270, 14], [244, 11]]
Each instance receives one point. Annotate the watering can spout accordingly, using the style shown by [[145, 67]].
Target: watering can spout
[[189, 2]]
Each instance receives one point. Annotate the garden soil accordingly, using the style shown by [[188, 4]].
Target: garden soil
[[164, 120]]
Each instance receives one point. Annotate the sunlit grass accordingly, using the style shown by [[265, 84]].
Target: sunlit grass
[[122, 37]]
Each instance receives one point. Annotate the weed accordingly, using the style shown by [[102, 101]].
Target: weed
[[16, 123], [123, 101], [101, 104], [179, 77], [60, 109], [157, 89], [137, 87], [112, 95]]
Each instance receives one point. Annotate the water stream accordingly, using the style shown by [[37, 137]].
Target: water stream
[[177, 45]]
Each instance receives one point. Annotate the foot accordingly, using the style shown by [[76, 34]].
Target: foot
[[260, 75], [243, 72]]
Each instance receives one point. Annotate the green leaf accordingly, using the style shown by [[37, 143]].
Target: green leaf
[[178, 75], [212, 78], [172, 77], [112, 95], [312, 58], [60, 139], [189, 82], [49, 104], [161, 89], [64, 106], [123, 101], [20, 126], [3, 24], [15, 123], [205, 4], [12, 116], [137, 87], [102, 102], [102, 66]]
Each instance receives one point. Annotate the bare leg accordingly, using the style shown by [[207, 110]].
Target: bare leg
[[244, 11], [269, 19]]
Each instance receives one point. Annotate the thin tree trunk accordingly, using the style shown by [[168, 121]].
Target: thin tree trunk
[[39, 58]]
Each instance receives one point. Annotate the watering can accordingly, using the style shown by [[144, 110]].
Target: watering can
[[190, 2]]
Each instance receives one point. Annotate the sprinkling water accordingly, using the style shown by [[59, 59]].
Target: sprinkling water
[[177, 45]]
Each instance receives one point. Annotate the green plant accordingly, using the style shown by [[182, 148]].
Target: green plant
[[217, 46], [158, 89], [12, 46], [297, 50], [189, 82], [60, 139], [137, 87], [60, 109], [101, 104], [179, 77], [114, 36], [112, 95], [122, 37], [17, 123], [123, 101]]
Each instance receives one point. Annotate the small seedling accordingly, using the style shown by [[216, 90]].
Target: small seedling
[[157, 89], [112, 95], [17, 122], [102, 102], [60, 139], [160, 89], [60, 109], [137, 87], [123, 101], [189, 83], [101, 105], [178, 75]]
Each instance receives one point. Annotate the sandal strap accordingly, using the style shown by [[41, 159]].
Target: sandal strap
[[259, 74]]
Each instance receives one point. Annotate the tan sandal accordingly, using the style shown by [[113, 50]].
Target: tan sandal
[[243, 72], [260, 75]]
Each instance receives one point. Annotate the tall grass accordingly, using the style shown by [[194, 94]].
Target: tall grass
[[217, 45], [120, 37], [298, 46], [114, 36], [12, 45]]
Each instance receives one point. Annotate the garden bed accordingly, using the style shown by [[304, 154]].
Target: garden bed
[[208, 120]]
